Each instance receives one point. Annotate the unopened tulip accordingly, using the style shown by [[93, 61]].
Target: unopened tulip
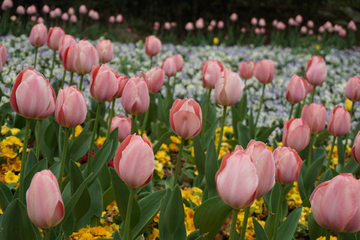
[[257, 31], [299, 19], [135, 98], [328, 25], [33, 19], [189, 26], [52, 14], [179, 62], [220, 24], [3, 56], [58, 12], [311, 32], [262, 22], [335, 204], [254, 21], [199, 24], [106, 50], [287, 165], [355, 151], [316, 72], [262, 31], [228, 88], [243, 30], [292, 22], [264, 71], [342, 32], [211, 72], [303, 30], [246, 69], [85, 57], [6, 5], [91, 13], [210, 28], [20, 10], [352, 89], [38, 35], [122, 81], [119, 18], [31, 10], [103, 83], [352, 26], [71, 11], [64, 43], [274, 22], [45, 9], [71, 107], [167, 26], [213, 23], [65, 17], [236, 180], [154, 79], [156, 26], [321, 29], [54, 37], [296, 90], [44, 203], [40, 20], [281, 26], [296, 134], [169, 67], [95, 16], [68, 59], [13, 18], [173, 24], [310, 24], [152, 46], [135, 167], [32, 95], [112, 19], [339, 122], [123, 124], [73, 18], [186, 118], [234, 17], [315, 116], [82, 9]]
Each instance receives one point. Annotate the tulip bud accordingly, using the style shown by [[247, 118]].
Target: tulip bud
[[154, 79], [64, 43], [234, 17], [211, 72], [112, 19], [274, 22], [65, 17], [31, 10], [316, 72], [287, 165], [296, 90], [6, 5], [3, 56], [58, 12], [352, 89], [246, 69], [311, 32], [254, 21], [135, 167], [355, 151], [85, 57], [38, 35], [135, 97], [119, 18], [179, 62], [310, 24], [315, 116], [82, 9], [54, 37], [33, 19], [73, 18], [303, 30], [20, 10], [339, 122], [264, 71], [71, 107], [213, 23], [292, 22], [257, 31], [299, 19], [296, 134], [71, 11], [228, 88], [103, 83], [68, 59], [321, 29], [352, 26], [169, 67], [167, 26], [106, 50], [46, 9], [152, 46], [220, 24], [44, 203], [262, 22], [123, 124], [186, 118], [199, 24], [189, 26], [122, 81]]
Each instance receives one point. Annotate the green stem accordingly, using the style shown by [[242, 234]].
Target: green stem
[[168, 90], [47, 233], [328, 234], [221, 132], [277, 219], [151, 61], [261, 102], [206, 112], [63, 156], [23, 160], [233, 224], [110, 118], [347, 134], [63, 79], [93, 136], [71, 78], [133, 124], [312, 95], [52, 65], [331, 152], [145, 121], [36, 51], [291, 111], [340, 235], [310, 150], [244, 224], [178, 162], [128, 215], [81, 82], [39, 140]]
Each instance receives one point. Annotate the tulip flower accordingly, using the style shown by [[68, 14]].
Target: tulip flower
[[53, 39], [234, 17], [65, 17], [169, 67], [135, 97], [339, 122], [296, 91], [64, 43], [154, 79], [315, 116], [254, 21], [6, 5], [189, 26], [106, 50], [119, 18], [211, 73], [68, 60], [20, 10], [246, 69], [103, 83], [152, 46], [287, 165], [262, 22], [3, 56], [179, 62], [355, 151], [220, 24], [82, 9], [296, 134], [123, 124], [122, 80], [352, 89], [37, 38], [315, 72], [199, 24], [73, 18]]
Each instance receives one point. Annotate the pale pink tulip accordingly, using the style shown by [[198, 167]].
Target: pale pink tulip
[[179, 62], [281, 26], [287, 165], [321, 29], [274, 22], [73, 18], [31, 10], [103, 83], [52, 14], [352, 26], [123, 124], [355, 151], [122, 81], [254, 21], [339, 122], [311, 32], [328, 25], [152, 46], [233, 17], [189, 26], [135, 97], [33, 19], [45, 9], [85, 57], [167, 26], [71, 11], [6, 5], [105, 49], [246, 69], [20, 10], [3, 56], [264, 71], [292, 22], [220, 24], [298, 19], [315, 116], [154, 79], [119, 18], [296, 134], [112, 19], [211, 72], [64, 43], [82, 9], [68, 59], [169, 67], [303, 30], [199, 24], [38, 35], [58, 12], [228, 88], [296, 90], [262, 22], [310, 24], [54, 37], [213, 23], [316, 72], [257, 31], [65, 17], [352, 89], [342, 33]]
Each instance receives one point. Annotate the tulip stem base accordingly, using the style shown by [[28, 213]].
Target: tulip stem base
[[340, 236], [221, 132], [63, 79], [111, 112], [93, 137], [47, 234], [331, 152], [36, 51], [206, 112], [244, 223], [81, 82], [310, 151], [233, 224], [278, 210], [261, 102], [133, 124], [178, 162], [63, 156], [23, 160], [291, 111], [328, 234], [312, 95], [52, 65], [128, 214], [71, 78], [38, 143]]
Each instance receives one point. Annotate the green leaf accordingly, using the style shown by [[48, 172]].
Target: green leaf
[[108, 196], [161, 108], [174, 214], [163, 138], [210, 216], [259, 231], [235, 119], [326, 176], [315, 230], [287, 229], [79, 146], [351, 166], [104, 177], [312, 174], [244, 135], [31, 161], [340, 151], [50, 136], [100, 158], [5, 196], [251, 125], [321, 137], [264, 135], [6, 108], [209, 134], [211, 167], [243, 108], [199, 156], [298, 109], [114, 136], [116, 236]]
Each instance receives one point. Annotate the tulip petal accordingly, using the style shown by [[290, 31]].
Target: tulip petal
[[186, 123], [73, 109]]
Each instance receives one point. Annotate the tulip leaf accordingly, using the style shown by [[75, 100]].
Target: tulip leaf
[[79, 145], [108, 196], [6, 108], [287, 229], [341, 151], [209, 134], [114, 136], [116, 236], [100, 158], [163, 138], [252, 127], [298, 110], [351, 166], [312, 174], [211, 167], [321, 137], [104, 178], [161, 108], [263, 136], [235, 119], [242, 108], [259, 231], [174, 214], [49, 135], [199, 156], [300, 181], [315, 230], [210, 216], [5, 196], [31, 160], [244, 135]]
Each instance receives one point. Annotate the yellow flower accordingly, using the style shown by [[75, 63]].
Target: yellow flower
[[159, 169], [8, 153], [4, 129], [173, 147], [293, 197], [163, 157], [348, 105], [216, 40], [86, 236], [100, 140], [78, 130], [304, 214], [14, 131], [324, 238], [11, 177], [164, 147], [317, 47], [155, 234], [175, 139]]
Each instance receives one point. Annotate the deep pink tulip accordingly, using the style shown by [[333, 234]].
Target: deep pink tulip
[[44, 203], [316, 72], [105, 49], [45, 9], [296, 134], [32, 95], [169, 67], [122, 81], [339, 122], [296, 90], [236, 180], [85, 57], [355, 151], [20, 10], [135, 98], [315, 116], [123, 124], [335, 204], [154, 79], [186, 118], [287, 165], [71, 11], [152, 46], [246, 69], [38, 35], [103, 83], [211, 72], [54, 37], [228, 88], [233, 17], [3, 56], [352, 89], [264, 71], [179, 62], [64, 43], [68, 59], [82, 9], [135, 167], [71, 107]]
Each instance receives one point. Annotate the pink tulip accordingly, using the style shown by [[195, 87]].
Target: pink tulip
[[179, 62], [167, 26], [213, 23], [296, 90], [173, 24], [274, 22], [38, 35], [228, 88], [292, 22], [103, 83], [303, 30], [339, 122], [287, 165], [32, 95], [352, 26], [169, 67], [33, 19], [210, 28], [6, 5], [68, 59], [65, 17], [82, 9], [106, 50], [243, 29], [355, 151], [189, 26], [254, 21], [311, 32], [71, 11], [91, 13], [220, 24], [71, 107], [152, 46], [112, 19], [316, 72], [321, 29], [264, 71], [262, 31], [236, 180], [20, 10], [257, 31], [156, 26], [298, 19], [119, 18], [73, 18], [233, 17], [54, 37], [31, 10], [64, 43], [123, 124], [281, 26], [135, 98], [44, 203], [52, 14], [45, 9], [296, 134], [58, 12], [352, 89], [122, 81], [211, 72], [85, 57], [335, 204], [262, 22], [310, 24], [246, 69], [342, 32], [199, 24], [154, 79], [3, 56], [135, 167], [95, 16], [315, 116], [186, 118], [328, 25]]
